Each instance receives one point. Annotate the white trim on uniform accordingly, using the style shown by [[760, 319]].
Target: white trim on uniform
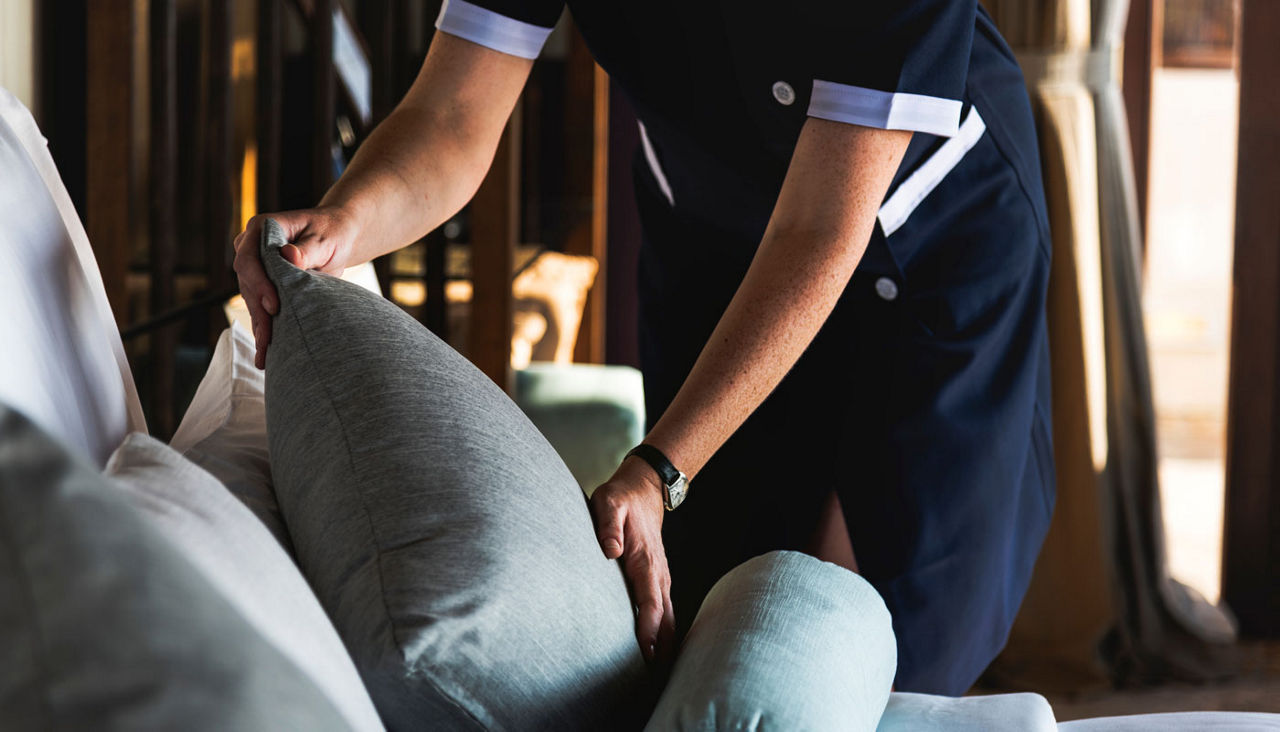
[[491, 30], [895, 211], [885, 110], [651, 157]]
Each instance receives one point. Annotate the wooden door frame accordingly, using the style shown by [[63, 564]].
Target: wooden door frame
[[1251, 530]]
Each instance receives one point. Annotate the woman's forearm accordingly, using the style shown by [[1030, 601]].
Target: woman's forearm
[[815, 239], [423, 163]]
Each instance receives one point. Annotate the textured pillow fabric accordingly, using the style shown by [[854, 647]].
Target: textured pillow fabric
[[241, 559], [1023, 712], [105, 626], [783, 641], [224, 429], [447, 540]]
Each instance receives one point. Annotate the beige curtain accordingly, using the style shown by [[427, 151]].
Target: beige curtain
[[1101, 608]]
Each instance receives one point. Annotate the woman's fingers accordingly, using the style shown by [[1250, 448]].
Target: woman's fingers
[[314, 236], [258, 292], [628, 516], [650, 585], [667, 628]]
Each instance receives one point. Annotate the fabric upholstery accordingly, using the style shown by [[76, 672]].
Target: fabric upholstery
[[64, 363], [783, 641], [445, 537], [592, 415], [224, 429], [104, 625], [240, 558]]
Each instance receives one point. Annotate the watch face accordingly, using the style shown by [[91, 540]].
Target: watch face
[[677, 491]]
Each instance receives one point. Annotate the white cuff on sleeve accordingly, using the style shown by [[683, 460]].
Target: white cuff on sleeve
[[885, 110], [491, 30]]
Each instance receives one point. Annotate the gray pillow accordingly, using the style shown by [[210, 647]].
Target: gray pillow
[[223, 539], [447, 540], [103, 624], [783, 641]]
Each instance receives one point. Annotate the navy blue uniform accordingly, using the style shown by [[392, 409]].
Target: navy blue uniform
[[924, 399]]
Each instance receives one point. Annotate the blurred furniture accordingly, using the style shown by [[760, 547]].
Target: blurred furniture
[[591, 414]]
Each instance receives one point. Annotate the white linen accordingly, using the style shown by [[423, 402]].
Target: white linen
[[63, 364], [244, 563], [224, 429], [1177, 722], [907, 712]]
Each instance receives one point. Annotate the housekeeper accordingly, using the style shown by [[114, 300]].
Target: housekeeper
[[841, 299]]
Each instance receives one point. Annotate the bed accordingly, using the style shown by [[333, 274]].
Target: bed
[[65, 369]]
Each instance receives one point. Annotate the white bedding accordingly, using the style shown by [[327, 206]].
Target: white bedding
[[61, 359], [1177, 722]]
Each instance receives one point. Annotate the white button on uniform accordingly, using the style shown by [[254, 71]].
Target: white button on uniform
[[887, 288], [783, 92]]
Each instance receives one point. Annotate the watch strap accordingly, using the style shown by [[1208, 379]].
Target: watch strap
[[659, 462]]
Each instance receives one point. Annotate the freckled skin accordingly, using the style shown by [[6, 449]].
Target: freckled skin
[[426, 160]]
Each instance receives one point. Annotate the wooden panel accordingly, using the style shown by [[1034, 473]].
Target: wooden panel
[[270, 95], [320, 28], [163, 211], [435, 309], [221, 226], [494, 229], [380, 31], [1251, 540], [108, 168], [586, 185]]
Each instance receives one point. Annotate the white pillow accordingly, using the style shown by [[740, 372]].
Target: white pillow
[[225, 429], [64, 364], [240, 559], [1024, 712]]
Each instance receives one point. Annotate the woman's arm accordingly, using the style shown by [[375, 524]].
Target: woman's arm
[[419, 167], [816, 236]]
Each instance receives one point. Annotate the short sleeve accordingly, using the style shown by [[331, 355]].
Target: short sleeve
[[898, 64], [516, 27]]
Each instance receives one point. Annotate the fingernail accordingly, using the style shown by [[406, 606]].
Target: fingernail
[[268, 305]]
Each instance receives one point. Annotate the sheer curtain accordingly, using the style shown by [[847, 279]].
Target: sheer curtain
[[1101, 607]]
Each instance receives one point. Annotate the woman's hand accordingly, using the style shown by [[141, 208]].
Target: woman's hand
[[320, 239], [628, 514]]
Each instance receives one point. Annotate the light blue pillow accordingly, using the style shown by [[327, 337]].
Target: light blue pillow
[[783, 642]]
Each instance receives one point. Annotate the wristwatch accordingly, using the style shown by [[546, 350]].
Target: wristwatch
[[675, 485]]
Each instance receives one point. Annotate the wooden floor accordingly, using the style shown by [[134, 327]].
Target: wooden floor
[[1257, 689]]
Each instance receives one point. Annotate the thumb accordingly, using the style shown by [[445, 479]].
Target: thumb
[[310, 251], [295, 255], [610, 518]]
